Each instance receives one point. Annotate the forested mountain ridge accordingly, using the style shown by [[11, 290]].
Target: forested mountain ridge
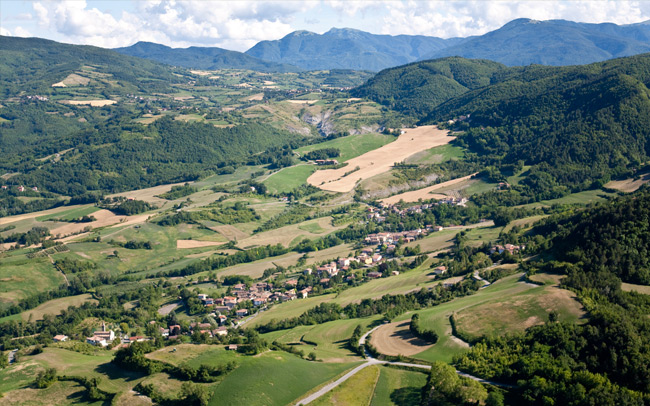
[[577, 126], [210, 58], [33, 65], [165, 151], [347, 49], [553, 42], [604, 361], [415, 89]]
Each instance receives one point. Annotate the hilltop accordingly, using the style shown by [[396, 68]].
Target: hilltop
[[345, 48], [210, 58], [34, 65]]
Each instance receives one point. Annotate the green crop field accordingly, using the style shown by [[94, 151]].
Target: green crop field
[[352, 145], [287, 179], [70, 214], [527, 303], [21, 277], [54, 307], [437, 155], [398, 387], [273, 378], [358, 390]]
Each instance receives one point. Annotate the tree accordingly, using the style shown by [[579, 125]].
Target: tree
[[194, 394]]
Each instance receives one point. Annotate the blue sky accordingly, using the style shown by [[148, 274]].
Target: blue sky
[[239, 25]]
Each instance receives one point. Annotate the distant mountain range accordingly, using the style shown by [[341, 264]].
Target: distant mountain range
[[520, 42], [348, 49], [555, 42], [209, 58]]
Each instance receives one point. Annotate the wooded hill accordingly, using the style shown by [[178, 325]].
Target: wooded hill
[[33, 65], [604, 361], [577, 126], [210, 58], [417, 88]]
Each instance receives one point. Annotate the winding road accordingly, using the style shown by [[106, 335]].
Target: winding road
[[374, 361]]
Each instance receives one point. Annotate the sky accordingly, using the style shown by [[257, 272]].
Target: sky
[[238, 25]]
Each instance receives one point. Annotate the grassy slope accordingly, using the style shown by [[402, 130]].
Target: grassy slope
[[398, 387]]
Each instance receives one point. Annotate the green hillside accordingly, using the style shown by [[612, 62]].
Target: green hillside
[[33, 65], [417, 88], [203, 58]]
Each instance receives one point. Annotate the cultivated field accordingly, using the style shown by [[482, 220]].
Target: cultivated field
[[183, 244], [380, 160], [425, 193], [92, 103], [396, 339], [628, 185], [54, 307]]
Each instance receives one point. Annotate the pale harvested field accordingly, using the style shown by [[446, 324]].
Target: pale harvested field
[[302, 101], [27, 216], [104, 218], [256, 97], [201, 72], [181, 244], [628, 185], [149, 194], [285, 235], [630, 287], [92, 103], [54, 307], [230, 232], [425, 193], [396, 339], [380, 160]]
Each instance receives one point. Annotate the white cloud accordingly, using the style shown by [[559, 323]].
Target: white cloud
[[22, 32], [5, 32], [230, 24], [464, 18], [241, 24]]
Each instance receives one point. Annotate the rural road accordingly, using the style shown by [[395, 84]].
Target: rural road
[[374, 361], [12, 356], [166, 309]]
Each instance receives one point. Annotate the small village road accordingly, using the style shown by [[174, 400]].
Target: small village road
[[374, 361]]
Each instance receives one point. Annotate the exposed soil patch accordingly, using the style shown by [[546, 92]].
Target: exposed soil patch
[[396, 339]]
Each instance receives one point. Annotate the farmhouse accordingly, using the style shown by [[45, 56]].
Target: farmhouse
[[60, 338]]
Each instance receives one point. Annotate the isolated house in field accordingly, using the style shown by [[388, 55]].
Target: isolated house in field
[[60, 338], [441, 270]]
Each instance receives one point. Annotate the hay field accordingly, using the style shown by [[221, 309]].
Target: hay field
[[396, 339], [380, 160], [302, 101], [426, 193], [54, 307], [256, 97], [285, 235], [149, 194], [104, 218], [182, 244], [628, 185], [42, 213], [91, 103]]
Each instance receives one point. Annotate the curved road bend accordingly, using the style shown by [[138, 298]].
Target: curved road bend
[[375, 361]]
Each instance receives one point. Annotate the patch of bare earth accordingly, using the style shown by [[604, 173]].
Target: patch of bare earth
[[396, 339], [379, 160], [425, 193], [230, 232], [92, 103], [181, 244], [628, 185]]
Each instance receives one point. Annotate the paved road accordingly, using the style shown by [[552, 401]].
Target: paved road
[[374, 361], [166, 309], [12, 356]]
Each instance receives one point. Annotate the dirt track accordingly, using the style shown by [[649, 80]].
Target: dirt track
[[380, 160], [396, 339], [425, 193]]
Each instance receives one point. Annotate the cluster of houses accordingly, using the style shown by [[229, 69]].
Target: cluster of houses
[[102, 337], [512, 249], [326, 162], [20, 188], [379, 215], [37, 97]]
